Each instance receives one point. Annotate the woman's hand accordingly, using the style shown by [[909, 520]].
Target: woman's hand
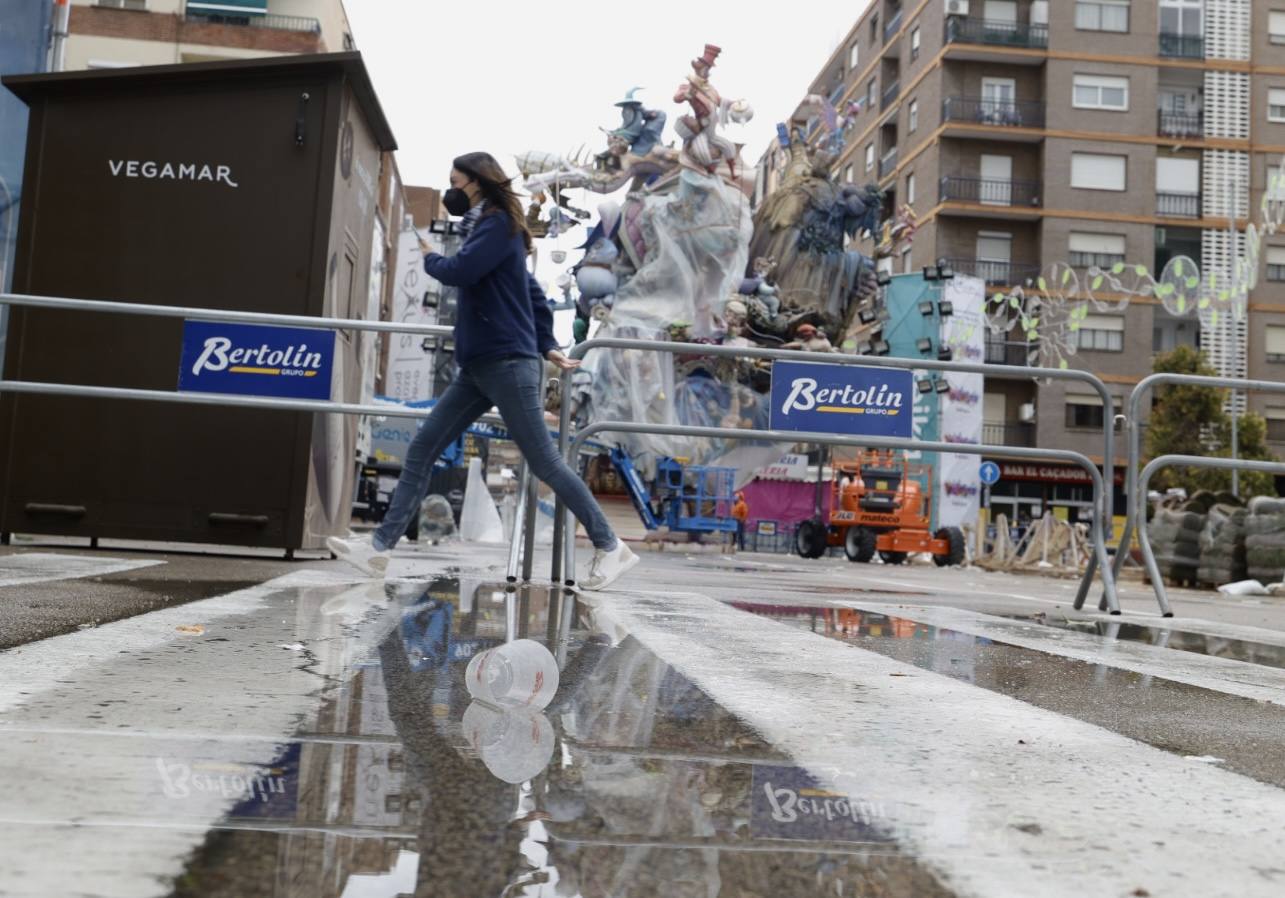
[[424, 247], [562, 361]]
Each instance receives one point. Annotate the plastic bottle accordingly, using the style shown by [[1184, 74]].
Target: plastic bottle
[[514, 745], [519, 674]]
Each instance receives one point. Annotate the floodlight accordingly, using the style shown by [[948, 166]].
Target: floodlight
[[926, 308], [924, 344]]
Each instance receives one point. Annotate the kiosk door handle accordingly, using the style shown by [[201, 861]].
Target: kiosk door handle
[[67, 511], [301, 120], [252, 520]]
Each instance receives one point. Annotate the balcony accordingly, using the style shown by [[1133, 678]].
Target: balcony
[[991, 192], [893, 25], [996, 273], [1008, 352], [274, 23], [890, 95], [996, 33], [1181, 124], [1006, 113], [1182, 46], [1015, 434], [1103, 261], [1178, 205]]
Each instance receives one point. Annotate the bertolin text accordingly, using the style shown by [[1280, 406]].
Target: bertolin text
[[804, 396]]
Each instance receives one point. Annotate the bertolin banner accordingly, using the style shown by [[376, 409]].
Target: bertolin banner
[[254, 360], [842, 399]]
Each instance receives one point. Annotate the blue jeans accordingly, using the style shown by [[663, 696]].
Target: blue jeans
[[515, 386]]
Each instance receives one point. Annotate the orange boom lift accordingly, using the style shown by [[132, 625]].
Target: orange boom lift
[[884, 508]]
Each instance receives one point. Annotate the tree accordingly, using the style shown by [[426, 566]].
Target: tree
[[1189, 420]]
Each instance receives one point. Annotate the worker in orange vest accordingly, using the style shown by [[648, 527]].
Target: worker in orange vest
[[741, 512]]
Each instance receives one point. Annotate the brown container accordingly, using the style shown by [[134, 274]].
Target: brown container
[[281, 223]]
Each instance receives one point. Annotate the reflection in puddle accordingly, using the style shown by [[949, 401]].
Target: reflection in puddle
[[1183, 719], [1198, 643], [632, 783]]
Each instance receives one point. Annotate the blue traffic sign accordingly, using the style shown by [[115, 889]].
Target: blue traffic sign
[[990, 473]]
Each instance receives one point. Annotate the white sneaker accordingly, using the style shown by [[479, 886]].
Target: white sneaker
[[608, 567], [361, 554]]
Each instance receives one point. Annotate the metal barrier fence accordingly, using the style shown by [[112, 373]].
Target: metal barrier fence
[[1103, 507], [218, 399], [1135, 493], [869, 442]]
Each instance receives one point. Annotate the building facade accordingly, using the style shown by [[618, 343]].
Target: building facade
[[112, 33], [1088, 132]]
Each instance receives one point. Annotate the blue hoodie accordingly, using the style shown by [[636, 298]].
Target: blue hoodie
[[502, 310]]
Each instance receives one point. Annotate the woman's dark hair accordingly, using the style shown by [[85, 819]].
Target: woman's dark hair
[[497, 190]]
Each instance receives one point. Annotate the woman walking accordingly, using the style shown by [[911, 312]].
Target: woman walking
[[504, 330]]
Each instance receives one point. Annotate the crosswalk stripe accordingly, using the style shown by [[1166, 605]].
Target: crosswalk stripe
[[987, 790], [26, 568], [1226, 675]]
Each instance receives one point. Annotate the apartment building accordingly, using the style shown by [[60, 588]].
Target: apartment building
[[114, 33], [1088, 132]]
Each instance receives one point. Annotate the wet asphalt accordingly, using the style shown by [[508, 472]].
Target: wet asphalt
[[743, 727]]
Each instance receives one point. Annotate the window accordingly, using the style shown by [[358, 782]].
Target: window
[[1092, 171], [994, 256], [1182, 17], [872, 94], [1102, 15], [914, 43], [1275, 416], [1000, 11], [1102, 250], [1102, 333], [1276, 27], [870, 156], [874, 29], [1276, 342], [1100, 92], [913, 116], [905, 261], [1178, 176], [1084, 410], [139, 5], [1276, 105], [1276, 263], [848, 174], [854, 56], [910, 189]]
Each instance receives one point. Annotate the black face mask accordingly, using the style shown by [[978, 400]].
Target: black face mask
[[456, 201]]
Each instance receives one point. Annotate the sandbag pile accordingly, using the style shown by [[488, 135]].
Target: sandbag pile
[[1222, 545], [1265, 539], [1175, 537]]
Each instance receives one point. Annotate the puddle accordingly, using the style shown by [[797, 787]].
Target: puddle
[[1175, 717], [633, 782], [1198, 643]]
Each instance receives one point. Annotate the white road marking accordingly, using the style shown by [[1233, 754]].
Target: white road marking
[[91, 812], [25, 568], [1225, 675], [1099, 814]]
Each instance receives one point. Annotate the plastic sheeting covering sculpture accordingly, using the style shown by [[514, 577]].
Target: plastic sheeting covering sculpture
[[683, 258]]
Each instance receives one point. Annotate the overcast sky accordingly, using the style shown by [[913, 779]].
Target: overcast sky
[[507, 76]]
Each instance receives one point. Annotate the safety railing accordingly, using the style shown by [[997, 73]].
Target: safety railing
[[1136, 497], [230, 316], [868, 442], [65, 304], [1103, 509]]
